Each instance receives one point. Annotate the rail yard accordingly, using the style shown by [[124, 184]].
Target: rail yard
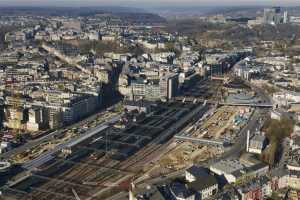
[[98, 163], [102, 157]]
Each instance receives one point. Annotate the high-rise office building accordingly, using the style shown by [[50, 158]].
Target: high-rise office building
[[286, 18], [168, 86], [275, 16]]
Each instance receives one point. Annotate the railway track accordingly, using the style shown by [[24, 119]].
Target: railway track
[[79, 173], [84, 170]]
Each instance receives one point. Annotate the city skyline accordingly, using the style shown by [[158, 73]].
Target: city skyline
[[149, 99], [148, 3]]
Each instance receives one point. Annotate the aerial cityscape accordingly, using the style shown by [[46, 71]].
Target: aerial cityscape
[[149, 100]]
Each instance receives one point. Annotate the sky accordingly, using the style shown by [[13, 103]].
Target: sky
[[145, 3]]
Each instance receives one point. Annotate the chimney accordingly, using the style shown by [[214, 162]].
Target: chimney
[[248, 140]]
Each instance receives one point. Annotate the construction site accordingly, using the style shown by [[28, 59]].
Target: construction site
[[204, 139], [105, 159], [100, 159], [208, 136]]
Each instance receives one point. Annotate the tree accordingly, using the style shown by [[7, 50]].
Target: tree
[[274, 196], [136, 50], [276, 131]]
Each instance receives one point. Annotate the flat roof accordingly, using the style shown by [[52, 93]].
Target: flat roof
[[228, 166], [86, 136]]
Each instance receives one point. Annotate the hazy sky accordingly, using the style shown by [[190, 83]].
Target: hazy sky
[[144, 3]]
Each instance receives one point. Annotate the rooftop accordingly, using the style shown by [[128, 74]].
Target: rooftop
[[258, 138], [180, 190], [228, 166], [202, 184], [253, 184], [198, 172]]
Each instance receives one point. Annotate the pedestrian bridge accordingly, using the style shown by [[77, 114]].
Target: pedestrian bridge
[[203, 141], [201, 100], [261, 105]]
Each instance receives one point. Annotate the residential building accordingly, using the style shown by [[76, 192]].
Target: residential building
[[257, 189], [37, 119], [256, 144], [233, 170], [199, 180], [181, 192]]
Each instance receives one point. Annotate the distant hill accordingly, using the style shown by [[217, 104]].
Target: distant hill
[[124, 13], [68, 11], [232, 11], [249, 11]]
